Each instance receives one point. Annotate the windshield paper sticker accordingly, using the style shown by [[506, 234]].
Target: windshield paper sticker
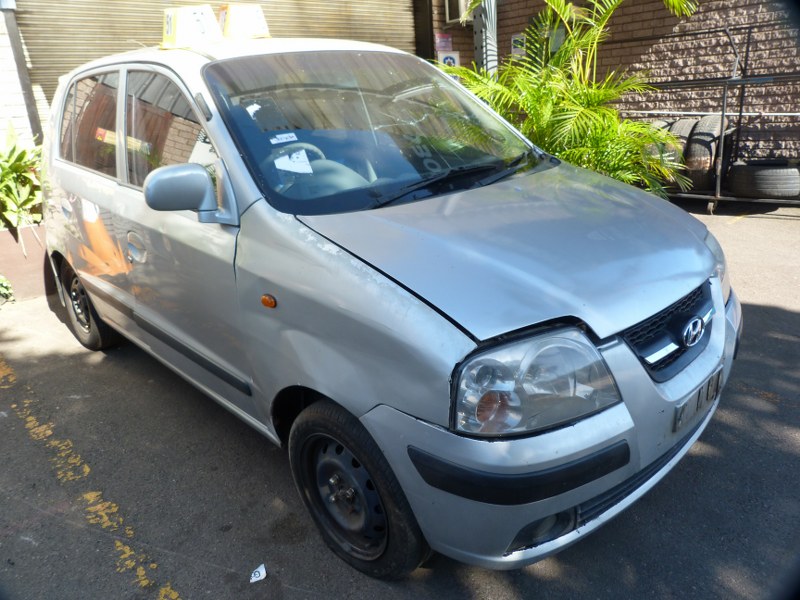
[[297, 162], [282, 138]]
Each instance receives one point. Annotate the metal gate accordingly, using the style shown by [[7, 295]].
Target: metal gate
[[62, 34]]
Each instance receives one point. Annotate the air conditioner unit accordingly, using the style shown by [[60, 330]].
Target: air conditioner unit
[[453, 9]]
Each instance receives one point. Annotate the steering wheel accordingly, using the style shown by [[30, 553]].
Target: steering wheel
[[291, 149]]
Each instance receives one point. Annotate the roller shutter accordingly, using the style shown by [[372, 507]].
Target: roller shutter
[[62, 34]]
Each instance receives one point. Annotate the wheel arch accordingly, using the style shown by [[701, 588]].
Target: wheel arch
[[57, 262], [287, 406]]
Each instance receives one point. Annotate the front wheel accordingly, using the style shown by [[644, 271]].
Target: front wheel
[[352, 494]]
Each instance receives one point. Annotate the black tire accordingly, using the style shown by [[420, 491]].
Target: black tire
[[89, 329], [352, 493], [661, 124], [653, 149], [700, 150], [764, 179], [682, 129]]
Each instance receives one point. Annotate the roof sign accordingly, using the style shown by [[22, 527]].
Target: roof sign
[[242, 21], [186, 26]]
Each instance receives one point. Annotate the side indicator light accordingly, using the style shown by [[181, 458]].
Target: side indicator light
[[269, 301]]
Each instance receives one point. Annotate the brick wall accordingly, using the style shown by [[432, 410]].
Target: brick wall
[[683, 53], [12, 106], [512, 18], [645, 36], [462, 35], [181, 140]]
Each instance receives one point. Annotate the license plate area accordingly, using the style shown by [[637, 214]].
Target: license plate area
[[697, 402]]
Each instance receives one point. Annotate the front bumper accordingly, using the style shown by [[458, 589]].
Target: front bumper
[[478, 501]]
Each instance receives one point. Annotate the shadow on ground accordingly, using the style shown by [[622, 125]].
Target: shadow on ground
[[214, 498]]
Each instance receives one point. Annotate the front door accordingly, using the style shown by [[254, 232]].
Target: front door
[[182, 270]]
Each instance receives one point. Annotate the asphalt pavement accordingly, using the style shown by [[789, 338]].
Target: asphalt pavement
[[120, 480]]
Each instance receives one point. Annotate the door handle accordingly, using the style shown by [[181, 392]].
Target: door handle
[[136, 248]]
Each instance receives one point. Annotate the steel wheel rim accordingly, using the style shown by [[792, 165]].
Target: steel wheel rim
[[79, 303], [345, 498]]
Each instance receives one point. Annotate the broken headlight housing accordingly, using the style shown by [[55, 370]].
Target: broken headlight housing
[[528, 386]]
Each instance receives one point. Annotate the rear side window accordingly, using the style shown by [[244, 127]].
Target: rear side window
[[162, 128], [89, 123]]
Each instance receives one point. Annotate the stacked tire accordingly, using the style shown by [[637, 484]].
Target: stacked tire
[[682, 129], [778, 179], [697, 145], [701, 149]]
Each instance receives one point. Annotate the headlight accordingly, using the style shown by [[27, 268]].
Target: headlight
[[721, 268], [531, 385]]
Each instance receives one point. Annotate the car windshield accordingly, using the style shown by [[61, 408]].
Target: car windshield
[[327, 132]]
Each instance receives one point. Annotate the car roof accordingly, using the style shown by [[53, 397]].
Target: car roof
[[177, 58]]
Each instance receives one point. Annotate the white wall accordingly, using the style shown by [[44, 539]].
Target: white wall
[[12, 102]]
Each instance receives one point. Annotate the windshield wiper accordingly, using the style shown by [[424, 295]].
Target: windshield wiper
[[498, 172], [526, 159], [434, 182]]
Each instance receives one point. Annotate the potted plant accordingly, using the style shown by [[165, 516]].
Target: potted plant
[[20, 200], [20, 190]]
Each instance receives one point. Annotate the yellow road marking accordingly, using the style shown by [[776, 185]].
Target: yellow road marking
[[105, 514], [738, 218], [7, 375], [69, 467], [167, 593], [138, 563]]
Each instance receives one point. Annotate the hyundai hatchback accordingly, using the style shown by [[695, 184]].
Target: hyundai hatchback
[[466, 345]]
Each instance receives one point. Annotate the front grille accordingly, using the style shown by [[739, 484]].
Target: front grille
[[646, 331], [665, 328]]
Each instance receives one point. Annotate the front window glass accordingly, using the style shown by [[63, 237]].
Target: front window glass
[[162, 128], [339, 131]]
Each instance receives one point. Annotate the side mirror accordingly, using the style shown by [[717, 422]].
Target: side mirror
[[180, 187]]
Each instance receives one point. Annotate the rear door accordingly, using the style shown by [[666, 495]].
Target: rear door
[[84, 191]]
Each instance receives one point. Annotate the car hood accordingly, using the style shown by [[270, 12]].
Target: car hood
[[558, 242]]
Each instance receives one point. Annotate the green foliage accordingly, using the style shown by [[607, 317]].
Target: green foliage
[[555, 96], [6, 293], [20, 190]]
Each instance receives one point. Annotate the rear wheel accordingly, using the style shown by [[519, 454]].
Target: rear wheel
[[352, 494], [86, 325]]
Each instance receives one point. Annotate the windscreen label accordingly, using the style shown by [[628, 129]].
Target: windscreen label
[[296, 162], [282, 138]]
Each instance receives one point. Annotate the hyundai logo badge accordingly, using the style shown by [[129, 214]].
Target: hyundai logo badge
[[693, 331]]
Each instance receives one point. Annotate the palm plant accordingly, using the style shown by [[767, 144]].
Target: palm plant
[[555, 95]]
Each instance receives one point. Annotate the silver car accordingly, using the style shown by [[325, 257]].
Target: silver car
[[466, 345]]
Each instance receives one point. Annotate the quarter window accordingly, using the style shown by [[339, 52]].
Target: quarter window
[[67, 126], [162, 128]]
